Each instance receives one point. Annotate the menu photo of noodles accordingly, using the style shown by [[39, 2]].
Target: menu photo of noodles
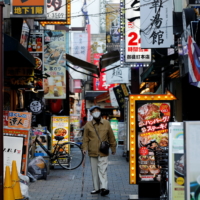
[[152, 124]]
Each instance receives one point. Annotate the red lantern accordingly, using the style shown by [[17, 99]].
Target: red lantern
[[55, 105]]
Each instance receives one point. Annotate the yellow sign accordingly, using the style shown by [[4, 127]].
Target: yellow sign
[[20, 71]]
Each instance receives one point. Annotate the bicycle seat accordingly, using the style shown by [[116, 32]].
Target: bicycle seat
[[59, 138]]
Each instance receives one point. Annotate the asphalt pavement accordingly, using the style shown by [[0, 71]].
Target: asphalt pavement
[[77, 184]]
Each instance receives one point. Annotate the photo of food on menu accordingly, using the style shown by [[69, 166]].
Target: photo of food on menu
[[152, 124]]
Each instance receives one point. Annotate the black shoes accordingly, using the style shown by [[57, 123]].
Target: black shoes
[[95, 192], [104, 192]]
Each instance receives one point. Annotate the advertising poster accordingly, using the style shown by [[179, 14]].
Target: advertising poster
[[19, 119], [112, 27], [12, 150], [192, 161], [176, 162], [60, 127], [54, 65], [25, 135], [75, 123], [114, 126], [43, 138], [24, 35], [133, 51], [152, 123]]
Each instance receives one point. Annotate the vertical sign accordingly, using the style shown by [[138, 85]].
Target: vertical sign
[[133, 52], [156, 24], [112, 27], [176, 161], [152, 124], [192, 161], [54, 65], [114, 126]]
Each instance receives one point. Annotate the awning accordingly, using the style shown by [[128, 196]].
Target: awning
[[15, 54], [102, 97], [83, 64], [91, 95], [153, 72], [108, 59]]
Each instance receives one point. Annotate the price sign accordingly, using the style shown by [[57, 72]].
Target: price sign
[[133, 52]]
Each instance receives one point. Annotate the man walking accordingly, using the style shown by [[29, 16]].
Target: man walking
[[91, 143]]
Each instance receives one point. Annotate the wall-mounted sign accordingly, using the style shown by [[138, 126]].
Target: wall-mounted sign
[[54, 65], [36, 106], [58, 12], [28, 8], [19, 71], [156, 24], [133, 51], [194, 2], [19, 119]]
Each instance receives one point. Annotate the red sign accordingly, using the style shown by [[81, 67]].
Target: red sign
[[100, 83], [5, 118], [143, 151]]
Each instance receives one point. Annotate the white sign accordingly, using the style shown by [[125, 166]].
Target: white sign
[[113, 99], [117, 75], [12, 150], [134, 53], [80, 49], [156, 23], [56, 10]]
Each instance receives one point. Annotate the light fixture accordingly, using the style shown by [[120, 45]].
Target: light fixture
[[34, 90]]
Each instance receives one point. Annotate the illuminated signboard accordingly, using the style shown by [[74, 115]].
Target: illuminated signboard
[[158, 124], [28, 8], [58, 12]]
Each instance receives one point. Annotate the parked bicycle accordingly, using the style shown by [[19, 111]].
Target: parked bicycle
[[161, 162], [68, 155]]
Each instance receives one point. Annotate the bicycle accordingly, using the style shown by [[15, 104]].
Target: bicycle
[[68, 155], [161, 162]]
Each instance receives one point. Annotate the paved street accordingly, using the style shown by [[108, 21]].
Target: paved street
[[77, 184]]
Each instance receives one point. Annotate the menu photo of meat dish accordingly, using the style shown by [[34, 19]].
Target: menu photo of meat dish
[[153, 121]]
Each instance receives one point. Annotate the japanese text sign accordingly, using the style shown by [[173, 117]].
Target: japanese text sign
[[19, 119], [157, 28], [133, 50], [28, 8]]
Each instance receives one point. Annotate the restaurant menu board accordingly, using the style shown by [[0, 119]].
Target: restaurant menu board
[[54, 65], [12, 150], [19, 119], [75, 122], [192, 161], [60, 127], [152, 124], [25, 135], [176, 161], [114, 126], [41, 132]]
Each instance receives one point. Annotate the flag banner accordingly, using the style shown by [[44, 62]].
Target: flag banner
[[193, 62]]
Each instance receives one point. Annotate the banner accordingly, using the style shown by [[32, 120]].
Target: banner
[[19, 119], [113, 98], [60, 127], [114, 126], [25, 134], [54, 65], [112, 27], [133, 51], [156, 24], [80, 49]]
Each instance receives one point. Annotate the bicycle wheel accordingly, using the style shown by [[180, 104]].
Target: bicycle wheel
[[70, 156]]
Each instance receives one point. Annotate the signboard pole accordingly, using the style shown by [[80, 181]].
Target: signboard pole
[[1, 99]]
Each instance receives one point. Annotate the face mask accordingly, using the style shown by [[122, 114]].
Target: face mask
[[96, 114]]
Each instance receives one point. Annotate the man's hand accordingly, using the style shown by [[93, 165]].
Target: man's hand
[[113, 153], [84, 152]]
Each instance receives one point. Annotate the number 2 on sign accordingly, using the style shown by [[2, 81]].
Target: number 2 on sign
[[133, 40]]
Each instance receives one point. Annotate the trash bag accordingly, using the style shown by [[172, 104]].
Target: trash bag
[[37, 168], [24, 180]]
